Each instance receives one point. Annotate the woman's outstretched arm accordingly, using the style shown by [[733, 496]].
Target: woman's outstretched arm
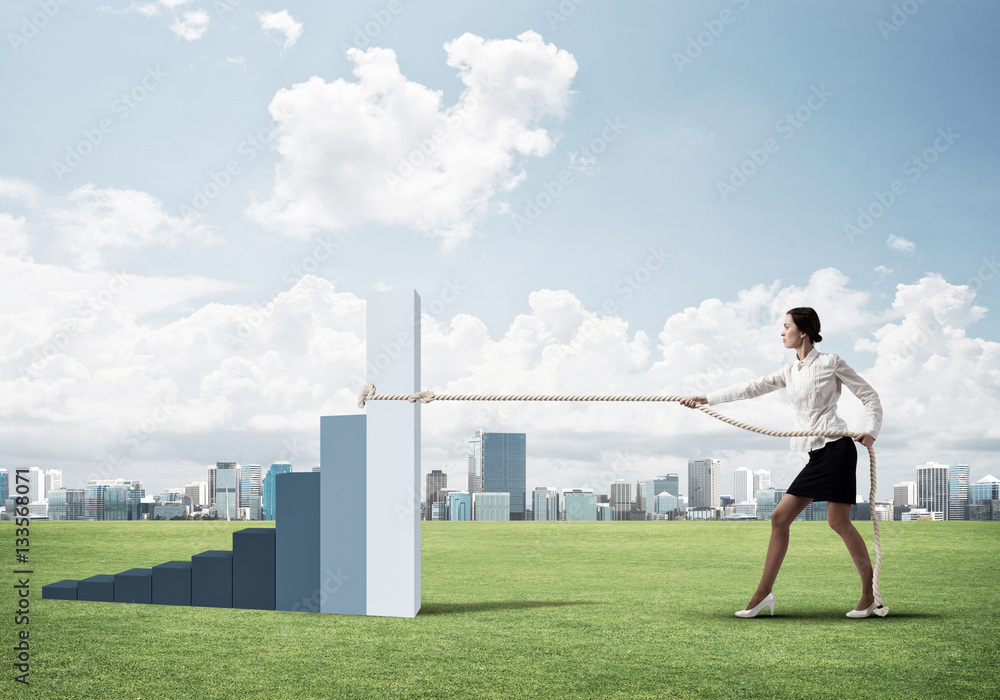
[[868, 396]]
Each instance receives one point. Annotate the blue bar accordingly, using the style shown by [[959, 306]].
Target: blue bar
[[134, 586], [297, 499], [100, 588], [212, 579], [61, 590], [172, 583], [343, 515], [253, 568]]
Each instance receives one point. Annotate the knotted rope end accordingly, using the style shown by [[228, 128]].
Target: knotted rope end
[[366, 393]]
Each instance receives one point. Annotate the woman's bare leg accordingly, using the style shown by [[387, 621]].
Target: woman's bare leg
[[839, 517], [785, 512]]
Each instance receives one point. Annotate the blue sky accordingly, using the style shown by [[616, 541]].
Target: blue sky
[[834, 99]]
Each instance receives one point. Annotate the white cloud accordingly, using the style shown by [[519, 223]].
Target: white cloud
[[92, 219], [191, 25], [387, 150], [281, 24], [900, 244], [187, 24], [883, 270], [13, 239], [18, 191]]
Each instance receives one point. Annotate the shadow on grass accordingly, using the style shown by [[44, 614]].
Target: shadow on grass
[[459, 608]]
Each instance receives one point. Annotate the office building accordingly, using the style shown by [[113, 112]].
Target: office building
[[488, 505], [703, 483], [475, 484], [958, 492], [985, 509], [904, 494], [4, 485], [669, 483], [168, 510], [579, 504], [665, 504], [767, 499], [644, 495], [922, 514], [986, 489], [459, 505], [172, 494], [620, 499], [932, 488], [545, 503], [53, 480], [36, 485], [605, 512], [743, 485], [267, 490], [250, 491], [117, 504], [227, 500], [761, 480], [93, 499], [705, 513], [196, 494], [66, 504], [211, 478], [504, 468], [436, 480]]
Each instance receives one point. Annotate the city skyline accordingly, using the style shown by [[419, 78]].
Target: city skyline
[[945, 492]]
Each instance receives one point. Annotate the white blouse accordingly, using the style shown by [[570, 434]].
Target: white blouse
[[814, 389]]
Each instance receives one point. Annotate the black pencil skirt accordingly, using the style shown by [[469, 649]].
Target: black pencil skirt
[[830, 474]]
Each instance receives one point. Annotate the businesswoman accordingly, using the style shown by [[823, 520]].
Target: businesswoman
[[813, 380]]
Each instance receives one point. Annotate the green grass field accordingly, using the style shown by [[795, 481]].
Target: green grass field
[[526, 610]]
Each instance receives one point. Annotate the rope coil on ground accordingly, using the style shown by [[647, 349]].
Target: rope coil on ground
[[427, 396]]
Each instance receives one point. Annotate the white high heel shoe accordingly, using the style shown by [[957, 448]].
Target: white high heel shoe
[[862, 613], [768, 602]]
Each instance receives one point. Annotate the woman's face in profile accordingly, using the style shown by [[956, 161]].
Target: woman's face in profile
[[790, 333]]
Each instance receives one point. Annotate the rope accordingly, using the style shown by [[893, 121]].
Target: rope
[[427, 396]]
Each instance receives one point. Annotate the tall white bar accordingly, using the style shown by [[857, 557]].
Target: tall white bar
[[393, 442]]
